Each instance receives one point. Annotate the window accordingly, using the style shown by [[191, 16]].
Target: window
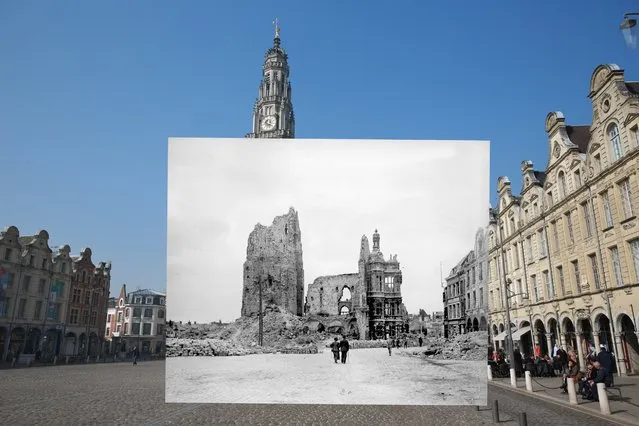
[[626, 198], [149, 300], [161, 313], [516, 256], [85, 317], [74, 316], [31, 260], [489, 270], [127, 312], [53, 313], [615, 141], [7, 254], [84, 276], [76, 296], [555, 234], [44, 263], [480, 271], [159, 329], [118, 328], [550, 200], [571, 235], [587, 218], [25, 283], [577, 179], [119, 316], [95, 298], [37, 311], [535, 209], [597, 163], [63, 267], [108, 332], [94, 318], [634, 250], [137, 312], [561, 183], [535, 289], [543, 252], [135, 328], [41, 285], [529, 248], [595, 270], [137, 300], [519, 288], [126, 328], [87, 297], [148, 313], [605, 203], [4, 307], [12, 278], [560, 275], [109, 316], [616, 263], [161, 300], [550, 291], [481, 297], [577, 275]]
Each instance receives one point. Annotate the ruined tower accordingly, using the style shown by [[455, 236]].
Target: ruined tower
[[273, 115], [274, 262]]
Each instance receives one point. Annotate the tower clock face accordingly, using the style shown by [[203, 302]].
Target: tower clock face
[[268, 123]]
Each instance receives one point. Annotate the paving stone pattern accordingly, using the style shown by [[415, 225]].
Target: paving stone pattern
[[126, 394]]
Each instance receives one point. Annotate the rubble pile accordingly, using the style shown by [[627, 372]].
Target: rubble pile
[[465, 347], [282, 332]]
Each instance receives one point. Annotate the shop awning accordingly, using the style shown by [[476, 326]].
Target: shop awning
[[517, 334], [502, 335]]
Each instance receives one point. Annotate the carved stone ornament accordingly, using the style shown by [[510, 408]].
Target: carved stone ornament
[[601, 77], [542, 308], [595, 146], [629, 225], [628, 291], [556, 150], [587, 300], [570, 302], [591, 172], [609, 234], [574, 164], [582, 314], [555, 306], [605, 104]]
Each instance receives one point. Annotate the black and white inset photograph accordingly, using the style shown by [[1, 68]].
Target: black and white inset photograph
[[307, 271]]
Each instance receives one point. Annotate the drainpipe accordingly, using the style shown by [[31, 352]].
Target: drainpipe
[[523, 258], [611, 321]]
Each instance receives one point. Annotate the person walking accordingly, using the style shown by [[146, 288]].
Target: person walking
[[136, 353], [605, 358], [389, 345], [420, 341], [335, 350], [344, 347]]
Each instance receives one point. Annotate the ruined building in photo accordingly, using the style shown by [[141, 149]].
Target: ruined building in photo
[[274, 262], [369, 300]]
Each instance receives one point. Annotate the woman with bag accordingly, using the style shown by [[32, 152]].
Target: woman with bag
[[573, 371]]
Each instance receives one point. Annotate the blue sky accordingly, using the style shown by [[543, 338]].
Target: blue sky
[[90, 92]]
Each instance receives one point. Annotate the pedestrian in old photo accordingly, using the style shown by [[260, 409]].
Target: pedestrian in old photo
[[389, 345], [421, 341], [136, 353], [344, 347], [335, 349]]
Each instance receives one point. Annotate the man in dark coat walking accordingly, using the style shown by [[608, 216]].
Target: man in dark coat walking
[[607, 361], [344, 347], [335, 350], [420, 341], [136, 354]]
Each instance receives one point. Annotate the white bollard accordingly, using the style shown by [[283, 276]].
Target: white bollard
[[490, 374], [66, 361], [528, 382], [55, 360], [604, 405], [572, 392], [87, 359], [513, 378]]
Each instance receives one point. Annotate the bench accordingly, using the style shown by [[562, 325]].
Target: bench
[[611, 389]]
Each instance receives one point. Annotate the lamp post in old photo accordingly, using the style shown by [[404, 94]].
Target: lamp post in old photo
[[261, 313], [628, 28]]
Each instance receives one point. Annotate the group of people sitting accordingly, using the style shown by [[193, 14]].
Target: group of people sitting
[[599, 370]]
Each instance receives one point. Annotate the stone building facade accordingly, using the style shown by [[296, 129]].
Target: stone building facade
[[138, 319], [370, 300], [570, 241], [34, 289], [455, 300], [476, 294], [273, 115], [274, 266], [86, 314]]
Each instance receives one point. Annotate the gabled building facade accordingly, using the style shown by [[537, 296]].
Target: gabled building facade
[[564, 253], [138, 319], [34, 289]]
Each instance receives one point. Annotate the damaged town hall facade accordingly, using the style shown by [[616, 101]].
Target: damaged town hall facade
[[366, 304]]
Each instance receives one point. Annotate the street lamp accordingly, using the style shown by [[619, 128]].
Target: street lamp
[[629, 29], [509, 342]]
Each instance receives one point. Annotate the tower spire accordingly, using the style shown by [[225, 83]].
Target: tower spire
[[276, 22]]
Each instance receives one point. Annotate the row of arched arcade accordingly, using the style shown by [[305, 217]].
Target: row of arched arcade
[[476, 324], [33, 342], [582, 333]]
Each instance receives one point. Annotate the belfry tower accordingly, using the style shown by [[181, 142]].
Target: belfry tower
[[273, 115]]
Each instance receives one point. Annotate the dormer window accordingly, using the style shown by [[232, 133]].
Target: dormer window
[[149, 300], [161, 300], [121, 303], [137, 300]]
